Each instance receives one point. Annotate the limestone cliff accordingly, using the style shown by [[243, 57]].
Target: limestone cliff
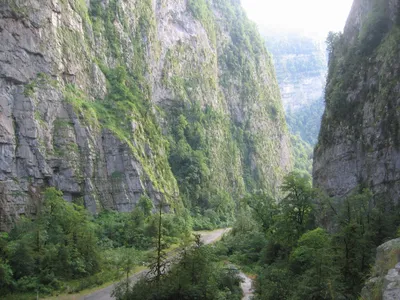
[[108, 100], [359, 142]]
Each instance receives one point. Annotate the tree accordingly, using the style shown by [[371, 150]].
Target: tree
[[197, 275], [353, 240], [160, 265], [146, 205], [312, 261], [297, 206], [295, 215], [60, 244], [264, 209], [331, 41], [6, 273]]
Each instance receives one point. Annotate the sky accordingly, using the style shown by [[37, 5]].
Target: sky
[[315, 17]]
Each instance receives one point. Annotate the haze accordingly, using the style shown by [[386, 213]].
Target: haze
[[316, 17]]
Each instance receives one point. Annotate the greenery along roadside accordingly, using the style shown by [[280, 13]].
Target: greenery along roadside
[[309, 246], [65, 249], [199, 274]]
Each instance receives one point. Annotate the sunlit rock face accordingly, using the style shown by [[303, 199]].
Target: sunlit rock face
[[359, 142], [89, 92]]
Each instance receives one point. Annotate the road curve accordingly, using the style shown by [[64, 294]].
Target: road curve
[[105, 293]]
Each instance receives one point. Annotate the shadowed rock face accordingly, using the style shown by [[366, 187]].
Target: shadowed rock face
[[359, 139], [56, 58], [385, 280]]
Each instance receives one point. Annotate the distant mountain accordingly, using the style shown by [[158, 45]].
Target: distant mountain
[[301, 66]]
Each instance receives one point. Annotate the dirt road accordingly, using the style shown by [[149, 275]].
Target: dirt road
[[246, 286], [208, 237]]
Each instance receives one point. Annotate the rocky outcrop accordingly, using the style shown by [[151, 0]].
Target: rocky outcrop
[[359, 141], [385, 281], [89, 92]]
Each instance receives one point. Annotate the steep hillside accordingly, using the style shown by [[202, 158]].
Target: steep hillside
[[301, 68], [359, 142], [110, 100]]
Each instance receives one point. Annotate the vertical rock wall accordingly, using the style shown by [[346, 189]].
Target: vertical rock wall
[[359, 142], [88, 91]]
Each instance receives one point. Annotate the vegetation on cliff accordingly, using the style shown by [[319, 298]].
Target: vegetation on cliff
[[349, 60]]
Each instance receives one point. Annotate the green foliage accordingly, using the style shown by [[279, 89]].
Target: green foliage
[[374, 28], [52, 248], [296, 208], [198, 275], [6, 273], [127, 105], [364, 223], [211, 206], [65, 249], [296, 259], [124, 230], [41, 80], [201, 10], [264, 209], [302, 153], [331, 40], [146, 205], [306, 121], [313, 265]]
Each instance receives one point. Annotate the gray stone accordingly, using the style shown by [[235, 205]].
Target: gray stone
[[45, 141]]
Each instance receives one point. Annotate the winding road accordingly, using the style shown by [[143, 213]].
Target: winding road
[[105, 293], [246, 286]]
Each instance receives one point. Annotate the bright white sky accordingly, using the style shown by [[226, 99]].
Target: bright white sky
[[316, 17]]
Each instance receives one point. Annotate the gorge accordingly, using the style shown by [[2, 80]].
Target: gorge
[[111, 100], [127, 127]]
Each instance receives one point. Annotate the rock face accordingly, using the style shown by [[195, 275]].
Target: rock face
[[90, 92], [301, 67], [359, 141], [385, 281]]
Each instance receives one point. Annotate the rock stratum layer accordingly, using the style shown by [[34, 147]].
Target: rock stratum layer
[[108, 100], [359, 142]]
